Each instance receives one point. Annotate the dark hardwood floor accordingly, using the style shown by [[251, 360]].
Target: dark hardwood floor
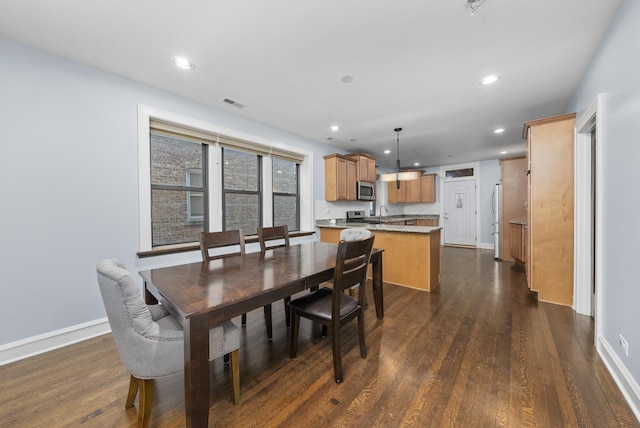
[[479, 352]]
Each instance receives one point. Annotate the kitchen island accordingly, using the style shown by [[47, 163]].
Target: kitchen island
[[411, 253]]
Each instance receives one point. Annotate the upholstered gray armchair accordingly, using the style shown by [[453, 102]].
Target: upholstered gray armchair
[[150, 341]]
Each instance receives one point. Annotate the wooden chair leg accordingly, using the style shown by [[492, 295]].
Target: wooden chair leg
[[287, 311], [337, 353], [146, 400], [235, 375], [244, 319], [363, 346], [267, 319], [295, 327], [134, 382]]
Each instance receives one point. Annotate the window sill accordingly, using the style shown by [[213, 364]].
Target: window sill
[[193, 246]]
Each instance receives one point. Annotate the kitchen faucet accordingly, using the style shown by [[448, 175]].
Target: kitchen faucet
[[381, 207]]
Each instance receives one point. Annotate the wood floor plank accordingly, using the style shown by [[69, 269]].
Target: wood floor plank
[[480, 351]]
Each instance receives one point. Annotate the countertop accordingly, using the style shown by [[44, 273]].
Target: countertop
[[343, 224]]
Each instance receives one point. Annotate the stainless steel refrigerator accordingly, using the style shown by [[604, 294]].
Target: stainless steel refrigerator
[[496, 208]]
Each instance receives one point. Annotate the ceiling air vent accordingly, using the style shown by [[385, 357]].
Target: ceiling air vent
[[233, 102]]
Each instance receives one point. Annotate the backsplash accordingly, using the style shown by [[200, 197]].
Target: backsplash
[[338, 210]]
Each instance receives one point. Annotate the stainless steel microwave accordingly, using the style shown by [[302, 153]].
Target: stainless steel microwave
[[366, 191]]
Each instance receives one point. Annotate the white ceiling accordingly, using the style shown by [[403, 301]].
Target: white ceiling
[[415, 64]]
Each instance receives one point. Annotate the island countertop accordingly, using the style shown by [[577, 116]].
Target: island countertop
[[379, 227]]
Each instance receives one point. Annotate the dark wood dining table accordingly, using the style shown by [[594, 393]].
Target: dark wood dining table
[[204, 294]]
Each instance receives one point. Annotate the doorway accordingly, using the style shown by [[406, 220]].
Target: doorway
[[460, 212], [588, 179]]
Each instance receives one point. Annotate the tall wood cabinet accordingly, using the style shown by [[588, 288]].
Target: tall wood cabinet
[[549, 265], [339, 178]]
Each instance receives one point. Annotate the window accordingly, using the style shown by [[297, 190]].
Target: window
[[197, 176], [286, 198], [195, 200], [177, 190], [457, 173], [242, 196]]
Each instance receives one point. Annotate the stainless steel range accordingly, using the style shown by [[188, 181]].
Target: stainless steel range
[[359, 217]]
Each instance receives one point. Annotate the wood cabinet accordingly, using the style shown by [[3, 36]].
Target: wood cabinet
[[339, 178], [412, 191], [409, 259], [395, 195], [433, 222], [428, 188], [549, 252], [365, 167], [513, 174], [518, 240]]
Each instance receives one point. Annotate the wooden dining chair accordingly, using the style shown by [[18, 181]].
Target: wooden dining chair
[[150, 340], [332, 307], [216, 240], [353, 234], [275, 237]]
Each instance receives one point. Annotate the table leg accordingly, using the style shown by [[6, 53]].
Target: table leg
[[149, 298], [376, 282], [196, 371]]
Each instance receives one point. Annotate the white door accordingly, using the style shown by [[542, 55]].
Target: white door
[[460, 212]]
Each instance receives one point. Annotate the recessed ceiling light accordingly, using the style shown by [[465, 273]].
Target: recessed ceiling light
[[487, 80], [347, 79], [335, 128], [498, 131], [386, 152], [504, 152], [184, 63], [416, 164]]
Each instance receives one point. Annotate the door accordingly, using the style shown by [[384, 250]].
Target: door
[[460, 212]]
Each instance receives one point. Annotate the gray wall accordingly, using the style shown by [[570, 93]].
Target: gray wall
[[615, 72], [69, 174]]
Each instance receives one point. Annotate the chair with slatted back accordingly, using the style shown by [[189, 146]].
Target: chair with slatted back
[[353, 234], [150, 340], [333, 307], [274, 237], [219, 240]]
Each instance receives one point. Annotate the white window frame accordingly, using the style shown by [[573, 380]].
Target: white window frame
[[190, 216], [145, 113]]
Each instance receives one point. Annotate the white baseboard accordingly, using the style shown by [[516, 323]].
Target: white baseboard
[[35, 345], [621, 375], [485, 246]]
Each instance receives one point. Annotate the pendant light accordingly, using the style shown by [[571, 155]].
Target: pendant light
[[399, 176]]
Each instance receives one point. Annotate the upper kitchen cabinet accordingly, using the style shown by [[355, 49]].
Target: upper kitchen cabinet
[[428, 188], [549, 239], [413, 191], [339, 178], [365, 167], [397, 195]]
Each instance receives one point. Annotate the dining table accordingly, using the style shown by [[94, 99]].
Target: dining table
[[203, 294]]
